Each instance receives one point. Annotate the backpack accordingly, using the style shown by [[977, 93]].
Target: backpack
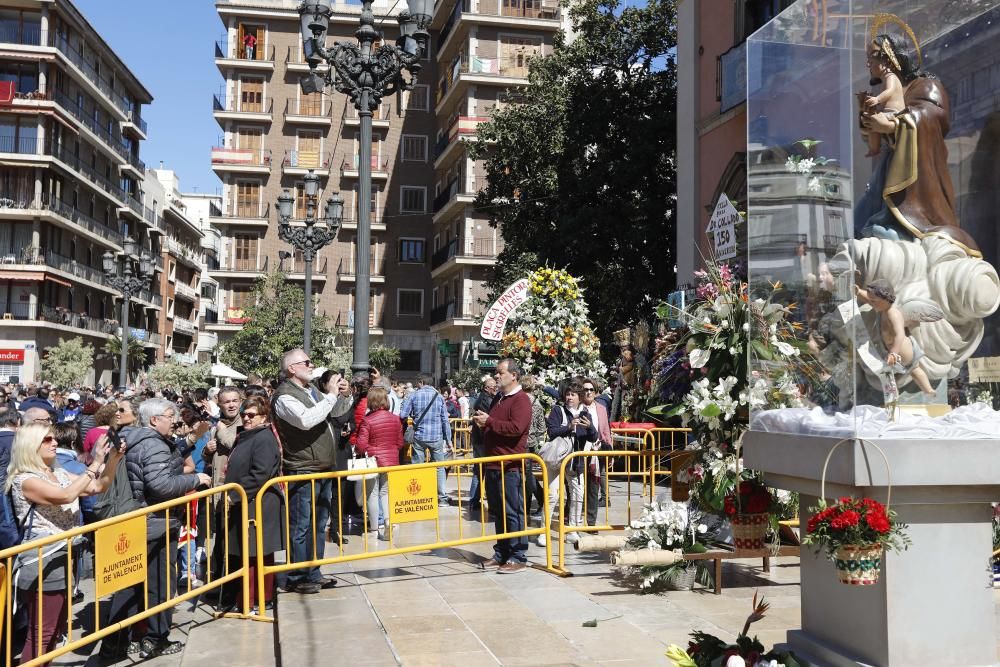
[[10, 532], [454, 411], [118, 498]]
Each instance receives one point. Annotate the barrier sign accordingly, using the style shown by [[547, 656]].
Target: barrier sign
[[120, 555], [413, 495], [722, 228]]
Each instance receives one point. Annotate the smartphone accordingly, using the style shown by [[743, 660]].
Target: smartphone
[[116, 440]]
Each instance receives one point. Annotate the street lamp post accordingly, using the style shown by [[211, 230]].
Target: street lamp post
[[309, 239], [128, 284], [366, 73]]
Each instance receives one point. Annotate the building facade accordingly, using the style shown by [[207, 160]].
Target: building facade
[[71, 183], [430, 249], [711, 114]]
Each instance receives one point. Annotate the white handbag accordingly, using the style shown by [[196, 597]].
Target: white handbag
[[360, 465], [555, 450]]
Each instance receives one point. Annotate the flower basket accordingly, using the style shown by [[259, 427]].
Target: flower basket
[[855, 532], [681, 578], [750, 530], [859, 564]]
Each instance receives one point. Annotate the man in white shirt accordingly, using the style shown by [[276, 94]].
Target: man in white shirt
[[308, 446], [463, 403]]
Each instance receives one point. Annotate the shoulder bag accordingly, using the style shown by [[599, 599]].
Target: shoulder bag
[[555, 450], [360, 465]]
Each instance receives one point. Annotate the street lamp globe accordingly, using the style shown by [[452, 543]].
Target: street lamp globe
[[130, 246], [145, 265], [315, 18], [334, 209], [311, 183], [285, 203], [108, 261]]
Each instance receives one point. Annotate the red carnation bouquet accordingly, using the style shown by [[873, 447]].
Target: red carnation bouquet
[[853, 522], [753, 498]]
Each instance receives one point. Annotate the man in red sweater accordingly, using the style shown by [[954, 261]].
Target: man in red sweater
[[505, 431]]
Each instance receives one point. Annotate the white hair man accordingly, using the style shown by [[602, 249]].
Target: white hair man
[[309, 445]]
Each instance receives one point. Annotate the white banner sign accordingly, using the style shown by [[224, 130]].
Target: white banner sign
[[722, 228], [496, 317]]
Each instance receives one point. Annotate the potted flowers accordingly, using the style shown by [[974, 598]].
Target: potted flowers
[[854, 532], [748, 507], [671, 526]]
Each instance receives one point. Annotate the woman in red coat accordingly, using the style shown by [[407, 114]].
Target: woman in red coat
[[381, 436]]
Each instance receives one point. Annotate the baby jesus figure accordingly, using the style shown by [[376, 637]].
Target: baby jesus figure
[[900, 350], [883, 67]]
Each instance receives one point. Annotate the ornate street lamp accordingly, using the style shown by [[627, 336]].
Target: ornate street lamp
[[128, 284], [309, 239], [365, 73]]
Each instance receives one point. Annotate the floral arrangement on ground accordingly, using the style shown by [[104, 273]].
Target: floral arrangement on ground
[[703, 374], [550, 334], [672, 526]]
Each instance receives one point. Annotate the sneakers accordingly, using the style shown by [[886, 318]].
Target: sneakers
[[152, 648], [572, 538], [541, 540], [490, 564], [512, 567], [308, 588]]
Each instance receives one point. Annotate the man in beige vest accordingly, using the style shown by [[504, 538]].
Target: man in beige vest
[[216, 452]]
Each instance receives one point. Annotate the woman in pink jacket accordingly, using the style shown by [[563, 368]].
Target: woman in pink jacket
[[379, 435]]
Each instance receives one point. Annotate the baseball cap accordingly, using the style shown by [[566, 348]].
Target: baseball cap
[[73, 396]]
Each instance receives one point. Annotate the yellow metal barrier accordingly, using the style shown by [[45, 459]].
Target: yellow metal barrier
[[666, 441], [523, 461], [7, 557], [639, 465]]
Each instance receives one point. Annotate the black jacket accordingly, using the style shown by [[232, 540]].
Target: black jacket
[[155, 468], [255, 459], [581, 435]]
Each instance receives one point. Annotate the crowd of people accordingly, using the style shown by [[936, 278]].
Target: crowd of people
[[87, 454]]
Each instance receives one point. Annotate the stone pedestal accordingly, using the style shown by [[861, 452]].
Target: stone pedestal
[[934, 603]]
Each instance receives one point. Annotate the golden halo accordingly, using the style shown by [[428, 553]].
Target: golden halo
[[881, 20]]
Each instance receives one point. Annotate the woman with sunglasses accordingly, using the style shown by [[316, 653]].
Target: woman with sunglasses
[[47, 502], [255, 459]]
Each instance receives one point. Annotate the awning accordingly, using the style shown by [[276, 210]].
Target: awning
[[224, 371], [22, 275], [58, 281]]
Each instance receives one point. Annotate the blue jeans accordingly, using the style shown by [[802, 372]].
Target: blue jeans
[[475, 492], [307, 529], [513, 549], [437, 454]]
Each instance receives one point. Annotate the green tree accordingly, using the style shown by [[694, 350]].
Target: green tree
[[178, 376], [468, 379], [68, 362], [136, 353], [383, 357], [274, 326], [581, 168]]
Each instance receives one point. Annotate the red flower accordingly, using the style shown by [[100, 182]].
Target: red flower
[[730, 506], [838, 523], [878, 522], [850, 518], [813, 523]]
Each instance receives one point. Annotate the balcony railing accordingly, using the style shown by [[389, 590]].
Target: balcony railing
[[247, 210], [74, 267], [513, 66], [214, 209], [63, 153], [463, 126], [236, 316], [306, 160], [185, 290], [67, 318], [112, 139], [20, 145], [546, 9], [295, 266], [139, 122], [224, 48], [309, 108], [245, 266], [184, 325], [454, 188], [478, 249], [347, 266], [345, 318], [61, 208], [136, 162], [242, 157], [179, 249], [221, 103], [353, 163], [443, 312], [28, 34]]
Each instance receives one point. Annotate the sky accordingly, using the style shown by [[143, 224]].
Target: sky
[[170, 48]]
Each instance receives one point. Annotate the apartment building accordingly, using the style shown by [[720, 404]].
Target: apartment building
[[183, 262], [200, 208], [430, 250], [70, 187]]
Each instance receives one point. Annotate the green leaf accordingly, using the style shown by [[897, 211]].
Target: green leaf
[[711, 410], [761, 350]]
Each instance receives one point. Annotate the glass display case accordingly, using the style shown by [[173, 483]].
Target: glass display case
[[873, 164]]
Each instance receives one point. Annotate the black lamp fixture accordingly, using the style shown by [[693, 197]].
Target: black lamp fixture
[[128, 284]]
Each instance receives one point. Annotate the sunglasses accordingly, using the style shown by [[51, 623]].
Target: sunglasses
[[589, 390], [308, 363], [49, 438], [250, 415]]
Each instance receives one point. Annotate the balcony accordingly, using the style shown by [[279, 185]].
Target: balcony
[[26, 34], [298, 163], [191, 256], [455, 196], [349, 168], [455, 314], [505, 13], [376, 222], [73, 161], [136, 125], [138, 166], [462, 129], [249, 214], [241, 160], [241, 268], [244, 110], [212, 241], [17, 314], [19, 145], [72, 53], [294, 62], [228, 56], [74, 267], [207, 340], [50, 204], [184, 291], [295, 269], [345, 318], [309, 112], [465, 69], [132, 207], [184, 326], [464, 252], [155, 301], [236, 316], [105, 138], [346, 269]]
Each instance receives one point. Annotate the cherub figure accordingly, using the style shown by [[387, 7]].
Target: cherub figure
[[901, 351], [884, 68]]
